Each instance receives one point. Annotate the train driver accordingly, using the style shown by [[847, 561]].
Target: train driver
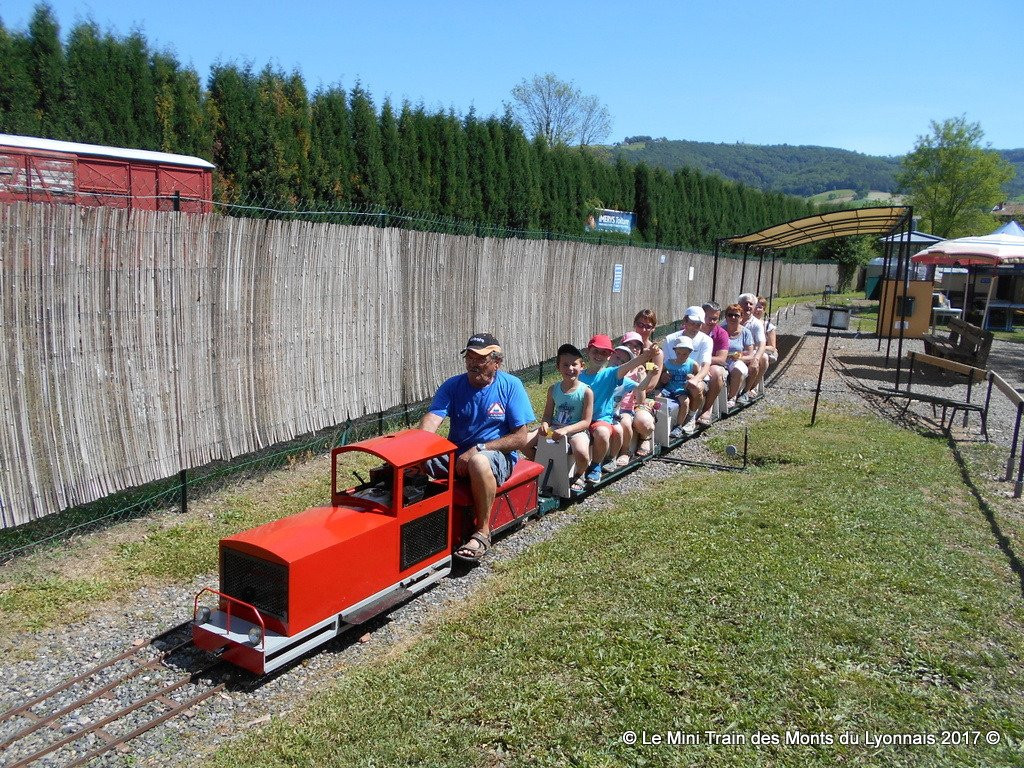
[[490, 414]]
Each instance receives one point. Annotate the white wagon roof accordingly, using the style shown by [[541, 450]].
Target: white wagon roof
[[51, 145]]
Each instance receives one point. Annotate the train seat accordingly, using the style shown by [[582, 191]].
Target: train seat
[[517, 497]]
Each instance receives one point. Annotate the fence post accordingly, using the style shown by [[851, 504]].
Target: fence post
[[183, 490]]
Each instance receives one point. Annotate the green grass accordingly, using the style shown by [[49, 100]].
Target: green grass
[[847, 583], [1016, 335]]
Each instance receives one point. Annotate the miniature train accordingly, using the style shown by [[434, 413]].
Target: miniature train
[[291, 585]]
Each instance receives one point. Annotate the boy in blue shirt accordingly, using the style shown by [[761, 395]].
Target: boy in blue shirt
[[605, 434]]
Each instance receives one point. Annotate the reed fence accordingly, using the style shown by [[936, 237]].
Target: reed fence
[[135, 344]]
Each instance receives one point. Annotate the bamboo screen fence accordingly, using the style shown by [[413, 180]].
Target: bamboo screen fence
[[136, 344]]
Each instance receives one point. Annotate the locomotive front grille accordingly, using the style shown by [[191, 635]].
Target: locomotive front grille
[[423, 537], [255, 581]]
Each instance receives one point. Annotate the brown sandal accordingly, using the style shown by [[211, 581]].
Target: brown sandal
[[473, 554]]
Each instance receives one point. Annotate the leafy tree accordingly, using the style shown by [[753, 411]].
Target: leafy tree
[[952, 181], [558, 111], [850, 253]]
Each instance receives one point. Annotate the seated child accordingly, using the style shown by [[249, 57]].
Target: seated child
[[567, 412], [678, 371], [642, 419], [624, 397], [605, 434]]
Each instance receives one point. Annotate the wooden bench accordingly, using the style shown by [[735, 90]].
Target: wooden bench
[[966, 343], [950, 406]]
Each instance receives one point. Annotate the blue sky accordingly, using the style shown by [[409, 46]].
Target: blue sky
[[865, 75]]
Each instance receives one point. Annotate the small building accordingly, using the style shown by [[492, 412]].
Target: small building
[[49, 171]]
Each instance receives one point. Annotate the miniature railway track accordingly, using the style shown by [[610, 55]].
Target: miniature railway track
[[87, 708]]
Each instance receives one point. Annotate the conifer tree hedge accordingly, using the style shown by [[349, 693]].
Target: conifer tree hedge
[[279, 147]]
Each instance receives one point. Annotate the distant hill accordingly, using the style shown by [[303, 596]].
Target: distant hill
[[794, 170]]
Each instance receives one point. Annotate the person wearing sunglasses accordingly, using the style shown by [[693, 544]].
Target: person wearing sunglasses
[[741, 352], [644, 324]]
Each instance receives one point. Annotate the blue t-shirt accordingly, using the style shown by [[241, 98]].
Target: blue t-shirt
[[480, 415], [603, 383], [679, 372]]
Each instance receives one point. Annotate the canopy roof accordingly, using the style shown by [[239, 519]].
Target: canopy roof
[[996, 249], [823, 226]]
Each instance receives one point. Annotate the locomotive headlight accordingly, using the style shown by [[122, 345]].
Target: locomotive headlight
[[255, 635], [202, 615]]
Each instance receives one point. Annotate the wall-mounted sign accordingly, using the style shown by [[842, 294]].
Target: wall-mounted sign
[[617, 279]]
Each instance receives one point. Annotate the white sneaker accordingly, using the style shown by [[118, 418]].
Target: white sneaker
[[730, 404], [690, 427]]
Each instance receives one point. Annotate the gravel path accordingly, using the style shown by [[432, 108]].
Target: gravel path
[[67, 651]]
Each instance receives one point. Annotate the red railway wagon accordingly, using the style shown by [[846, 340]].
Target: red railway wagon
[[49, 171]]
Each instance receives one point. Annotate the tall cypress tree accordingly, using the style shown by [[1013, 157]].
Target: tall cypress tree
[[496, 178], [412, 197], [524, 191], [136, 78], [331, 156], [47, 67], [453, 173], [477, 151], [17, 90], [233, 98], [192, 130], [390, 151], [370, 179]]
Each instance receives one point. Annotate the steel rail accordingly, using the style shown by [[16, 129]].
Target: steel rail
[[159, 695]]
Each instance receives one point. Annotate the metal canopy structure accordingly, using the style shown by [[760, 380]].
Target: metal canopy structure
[[824, 226], [895, 221], [882, 220]]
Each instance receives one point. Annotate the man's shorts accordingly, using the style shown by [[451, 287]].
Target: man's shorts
[[501, 466]]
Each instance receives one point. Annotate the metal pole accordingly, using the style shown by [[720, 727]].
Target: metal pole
[[760, 263], [886, 263], [183, 492], [1020, 478], [1014, 445], [905, 250], [771, 284], [821, 370], [714, 274], [743, 271]]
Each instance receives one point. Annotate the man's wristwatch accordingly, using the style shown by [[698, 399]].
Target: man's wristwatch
[[481, 446]]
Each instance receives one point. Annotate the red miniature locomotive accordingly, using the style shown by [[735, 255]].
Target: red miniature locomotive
[[293, 584]]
